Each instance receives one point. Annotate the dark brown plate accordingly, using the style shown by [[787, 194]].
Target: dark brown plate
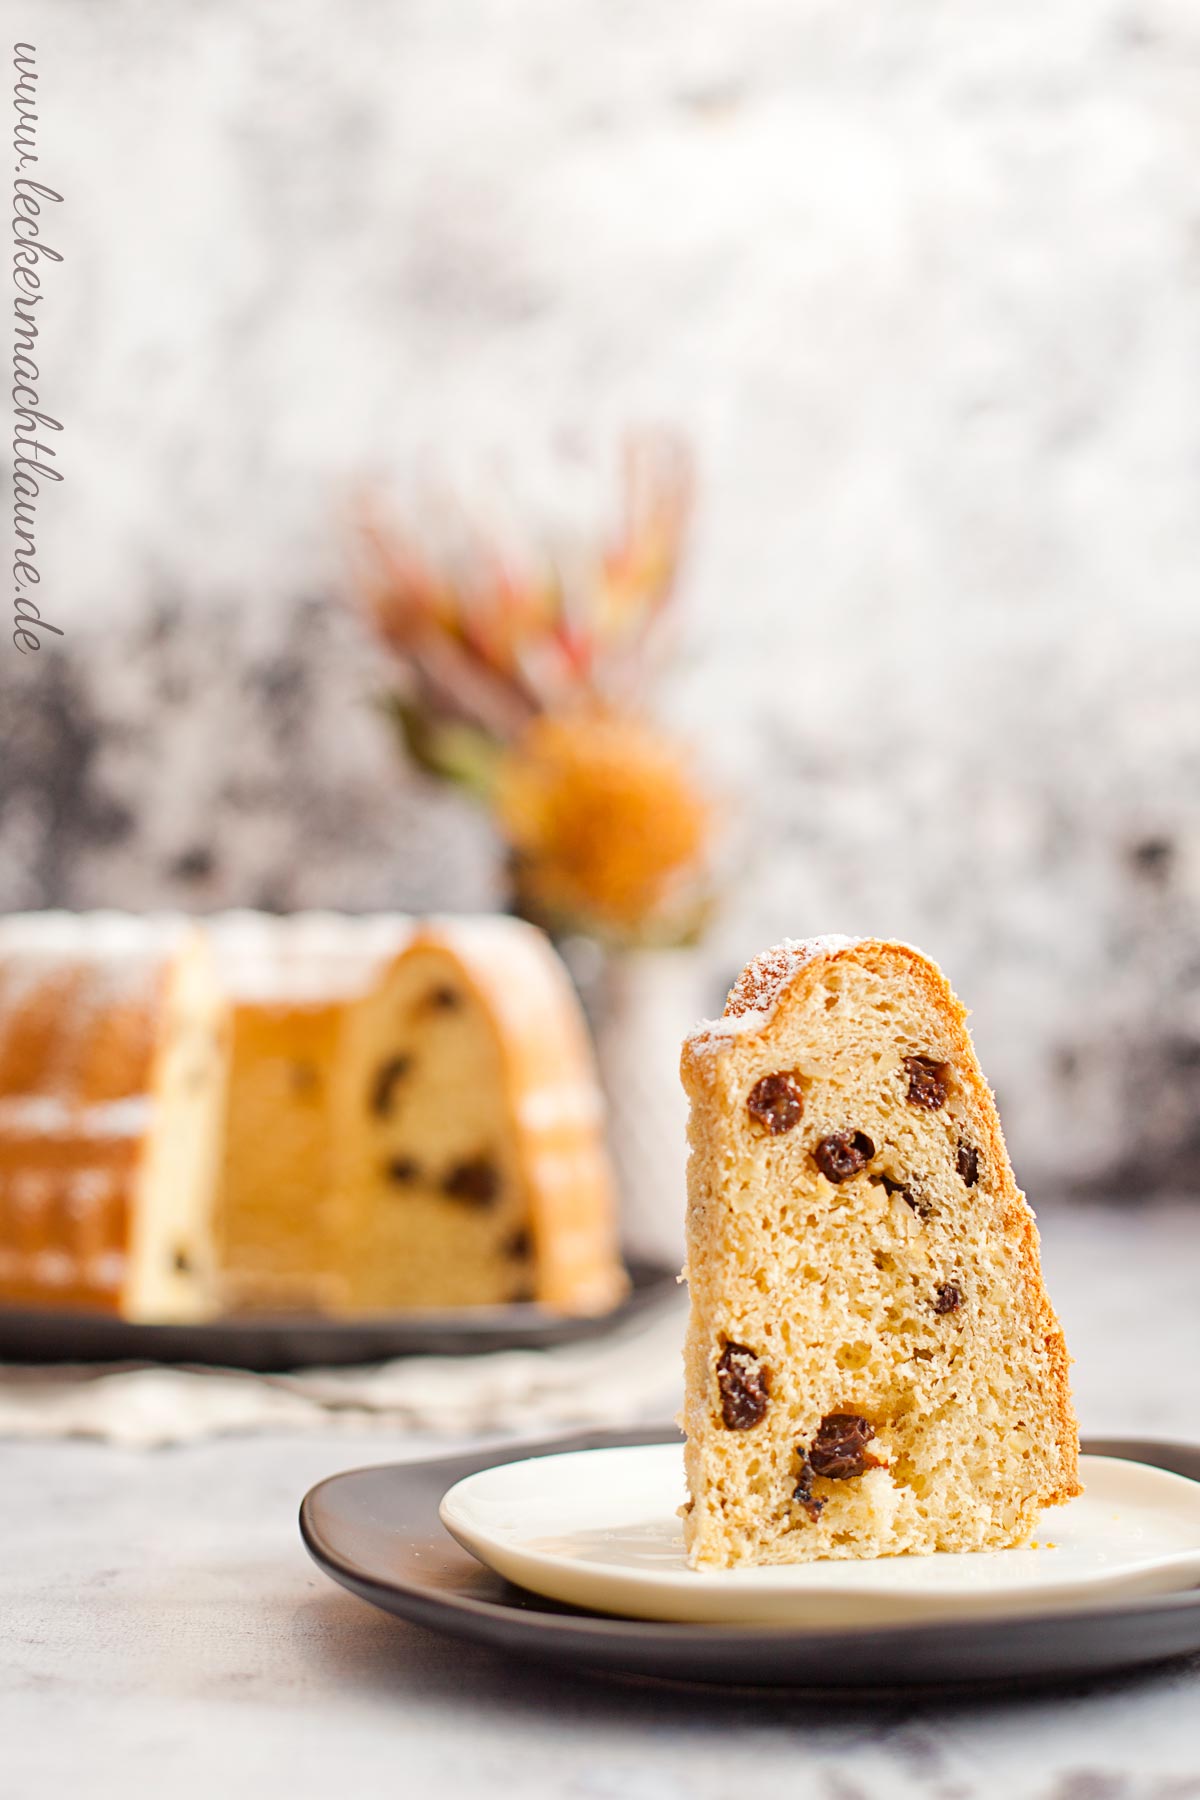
[[292, 1341], [377, 1532]]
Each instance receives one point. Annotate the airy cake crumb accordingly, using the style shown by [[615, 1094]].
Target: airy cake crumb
[[872, 1365]]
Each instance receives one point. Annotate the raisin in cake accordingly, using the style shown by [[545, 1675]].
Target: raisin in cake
[[472, 1147], [112, 1070], [872, 1364], [283, 1221]]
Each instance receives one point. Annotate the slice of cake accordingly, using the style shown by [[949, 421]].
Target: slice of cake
[[471, 1146], [112, 1073], [872, 1364]]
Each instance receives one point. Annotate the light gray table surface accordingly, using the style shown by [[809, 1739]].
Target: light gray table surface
[[163, 1632]]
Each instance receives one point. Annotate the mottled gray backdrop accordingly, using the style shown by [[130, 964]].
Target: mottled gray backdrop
[[923, 284]]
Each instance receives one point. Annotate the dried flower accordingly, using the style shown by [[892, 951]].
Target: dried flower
[[488, 636], [517, 676], [607, 826]]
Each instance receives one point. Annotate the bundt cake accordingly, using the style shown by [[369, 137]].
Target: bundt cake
[[872, 1364], [252, 1114]]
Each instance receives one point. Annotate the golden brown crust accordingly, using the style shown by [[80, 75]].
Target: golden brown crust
[[65, 1211], [77, 1051], [65, 1034], [554, 1099]]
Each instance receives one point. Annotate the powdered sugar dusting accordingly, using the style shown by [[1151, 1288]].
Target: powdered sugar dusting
[[303, 959], [70, 938], [108, 958], [46, 1115], [755, 993], [760, 982]]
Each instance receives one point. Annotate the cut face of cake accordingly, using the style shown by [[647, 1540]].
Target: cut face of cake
[[472, 1148], [283, 1223], [872, 1364]]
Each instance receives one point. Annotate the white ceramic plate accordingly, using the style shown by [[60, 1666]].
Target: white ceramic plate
[[598, 1528]]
